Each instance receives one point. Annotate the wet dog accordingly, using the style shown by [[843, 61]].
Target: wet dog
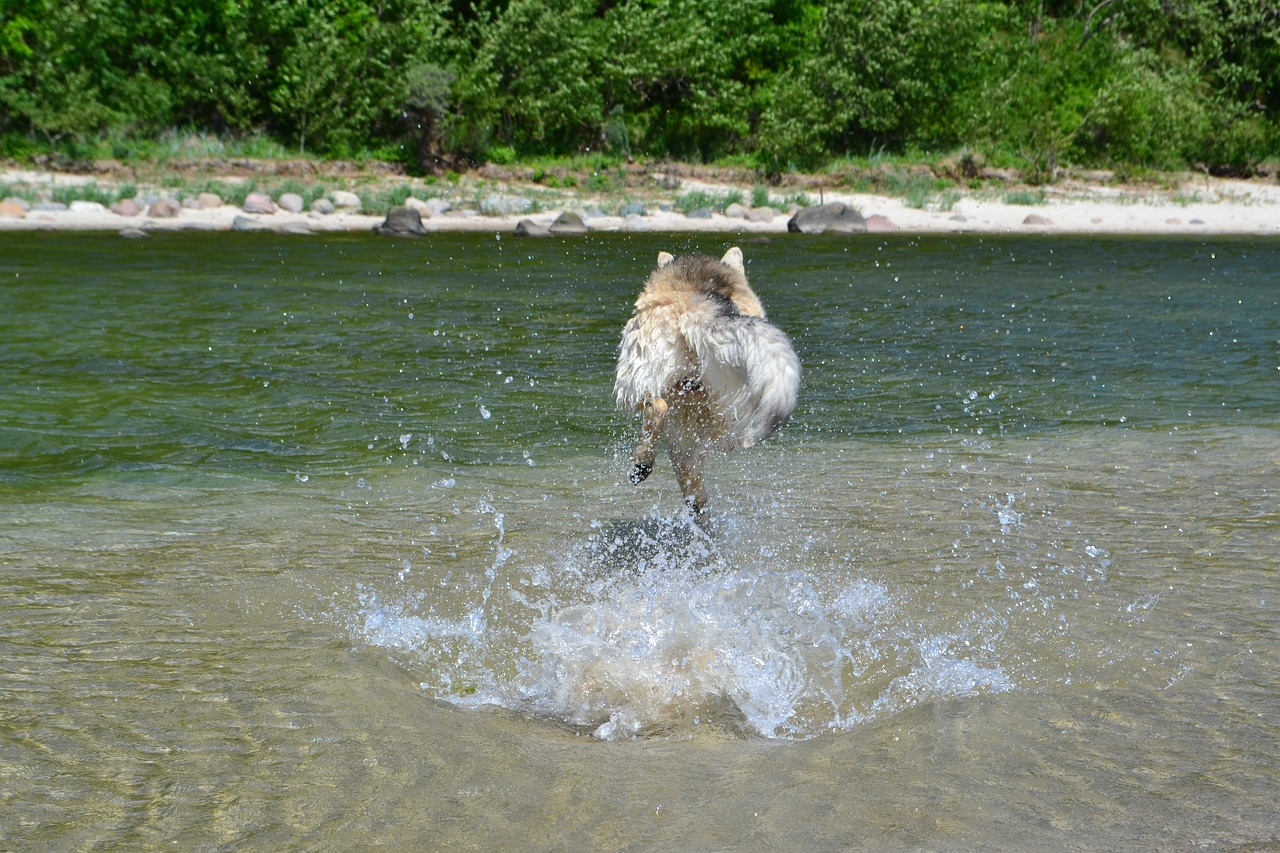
[[699, 360]]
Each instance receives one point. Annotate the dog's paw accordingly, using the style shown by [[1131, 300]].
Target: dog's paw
[[640, 473]]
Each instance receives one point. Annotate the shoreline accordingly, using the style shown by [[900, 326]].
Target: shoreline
[[1200, 206]]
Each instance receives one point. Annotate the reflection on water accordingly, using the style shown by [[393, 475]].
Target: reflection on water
[[341, 554]]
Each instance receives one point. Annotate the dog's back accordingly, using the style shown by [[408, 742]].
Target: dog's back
[[699, 346]]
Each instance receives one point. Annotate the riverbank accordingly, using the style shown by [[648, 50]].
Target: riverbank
[[660, 202]]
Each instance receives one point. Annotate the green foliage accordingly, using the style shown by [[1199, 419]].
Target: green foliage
[[776, 83]]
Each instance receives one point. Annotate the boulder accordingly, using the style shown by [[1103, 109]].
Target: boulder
[[246, 223], [401, 221], [163, 208], [760, 214], [189, 203], [209, 200], [87, 207], [294, 227], [438, 206], [322, 206], [424, 209], [258, 203], [529, 228], [833, 218], [700, 213], [344, 200], [291, 202], [9, 210], [880, 224], [1037, 219], [126, 207], [18, 202], [568, 223], [48, 207], [735, 211]]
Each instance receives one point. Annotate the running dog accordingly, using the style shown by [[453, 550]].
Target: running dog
[[699, 360]]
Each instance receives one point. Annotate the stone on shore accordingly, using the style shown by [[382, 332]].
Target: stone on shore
[[529, 228], [760, 214], [19, 202], [87, 207], [1037, 219], [568, 223], [401, 221], [879, 224], [735, 211], [132, 233], [10, 210], [346, 201], [700, 213], [126, 207], [833, 218], [292, 202], [258, 203], [209, 201], [424, 209], [247, 223], [322, 206], [163, 208]]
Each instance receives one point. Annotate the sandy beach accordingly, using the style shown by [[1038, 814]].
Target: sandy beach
[[1199, 205]]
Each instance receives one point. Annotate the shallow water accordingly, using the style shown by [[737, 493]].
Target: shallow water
[[327, 543]]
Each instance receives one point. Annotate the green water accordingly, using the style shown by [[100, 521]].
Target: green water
[[327, 543]]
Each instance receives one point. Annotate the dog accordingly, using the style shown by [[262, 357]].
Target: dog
[[701, 363]]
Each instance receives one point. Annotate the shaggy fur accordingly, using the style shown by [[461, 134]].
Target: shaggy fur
[[699, 360]]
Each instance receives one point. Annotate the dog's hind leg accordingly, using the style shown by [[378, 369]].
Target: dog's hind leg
[[655, 416], [688, 451]]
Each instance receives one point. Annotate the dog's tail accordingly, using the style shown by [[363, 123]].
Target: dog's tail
[[749, 369]]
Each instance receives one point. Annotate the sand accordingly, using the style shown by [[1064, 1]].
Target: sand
[[1200, 205]]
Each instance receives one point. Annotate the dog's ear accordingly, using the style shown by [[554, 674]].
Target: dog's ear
[[733, 259], [665, 258]]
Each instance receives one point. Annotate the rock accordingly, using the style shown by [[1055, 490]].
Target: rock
[[258, 203], [735, 211], [163, 208], [246, 223], [294, 227], [880, 224], [634, 208], [833, 218], [438, 206], [700, 213], [424, 209], [191, 204], [291, 202], [761, 214], [504, 205], [87, 207], [344, 200], [568, 223], [132, 233], [19, 202], [401, 221], [209, 201], [959, 217], [322, 206], [1036, 219], [1173, 220], [529, 228], [48, 207], [9, 210], [126, 207]]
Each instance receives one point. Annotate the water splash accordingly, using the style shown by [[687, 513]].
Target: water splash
[[656, 628]]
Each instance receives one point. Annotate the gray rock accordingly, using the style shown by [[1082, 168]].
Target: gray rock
[[322, 206], [700, 213], [294, 227], [344, 200], [1037, 219], [291, 202], [132, 233], [126, 207], [424, 209], [761, 214], [246, 223], [258, 203], [401, 221], [191, 204], [529, 228], [735, 211], [438, 206], [209, 200], [634, 208], [834, 218], [568, 223], [48, 207]]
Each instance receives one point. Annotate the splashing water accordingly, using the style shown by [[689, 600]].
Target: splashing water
[[656, 627]]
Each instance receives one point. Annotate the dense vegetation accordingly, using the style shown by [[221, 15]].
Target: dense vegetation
[[776, 84]]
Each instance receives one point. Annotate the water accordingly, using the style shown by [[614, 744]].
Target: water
[[327, 544]]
